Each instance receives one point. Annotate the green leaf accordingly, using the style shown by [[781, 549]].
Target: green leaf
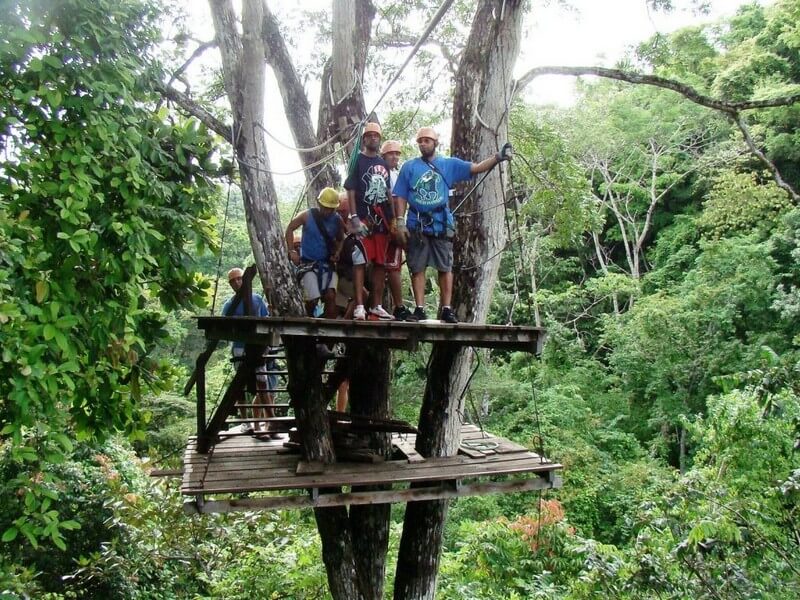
[[10, 534]]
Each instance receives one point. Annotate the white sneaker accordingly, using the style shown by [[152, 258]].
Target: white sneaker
[[359, 314], [380, 314]]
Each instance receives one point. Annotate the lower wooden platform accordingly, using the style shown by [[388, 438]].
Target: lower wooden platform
[[271, 478]]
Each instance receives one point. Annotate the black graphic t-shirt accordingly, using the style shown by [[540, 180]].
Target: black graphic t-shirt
[[371, 182]]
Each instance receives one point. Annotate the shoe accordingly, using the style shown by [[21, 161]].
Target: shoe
[[359, 314], [419, 314], [401, 313], [448, 316], [380, 314]]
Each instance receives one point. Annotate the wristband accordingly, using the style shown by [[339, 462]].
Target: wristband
[[351, 216]]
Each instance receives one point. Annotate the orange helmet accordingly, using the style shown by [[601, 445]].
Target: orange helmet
[[372, 128], [235, 273], [427, 132], [390, 146]]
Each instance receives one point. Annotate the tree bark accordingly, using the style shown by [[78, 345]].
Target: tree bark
[[319, 172], [243, 72], [369, 524], [480, 126]]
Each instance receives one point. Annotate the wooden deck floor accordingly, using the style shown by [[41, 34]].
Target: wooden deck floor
[[244, 464], [394, 334]]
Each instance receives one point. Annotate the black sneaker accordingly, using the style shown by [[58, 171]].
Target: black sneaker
[[401, 313], [420, 315], [448, 316]]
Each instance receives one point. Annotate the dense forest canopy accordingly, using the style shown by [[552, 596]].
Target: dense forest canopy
[[656, 243]]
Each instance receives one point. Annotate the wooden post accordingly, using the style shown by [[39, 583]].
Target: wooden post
[[200, 382]]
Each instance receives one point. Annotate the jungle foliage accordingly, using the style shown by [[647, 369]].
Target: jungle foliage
[[669, 387]]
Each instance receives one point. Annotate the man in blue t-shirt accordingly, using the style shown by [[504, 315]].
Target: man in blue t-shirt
[[424, 187], [265, 383]]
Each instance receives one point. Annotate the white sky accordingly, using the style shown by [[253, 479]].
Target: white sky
[[589, 32]]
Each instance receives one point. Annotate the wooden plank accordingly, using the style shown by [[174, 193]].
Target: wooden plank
[[312, 467], [387, 333], [470, 452], [255, 480], [377, 497], [407, 448]]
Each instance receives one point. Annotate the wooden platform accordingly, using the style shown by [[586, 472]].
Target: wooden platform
[[243, 464], [394, 334]]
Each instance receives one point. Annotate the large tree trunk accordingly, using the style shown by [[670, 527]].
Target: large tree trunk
[[480, 125], [243, 72], [369, 524], [298, 111]]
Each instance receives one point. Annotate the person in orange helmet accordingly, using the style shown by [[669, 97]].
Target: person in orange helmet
[[423, 186], [390, 151], [368, 187]]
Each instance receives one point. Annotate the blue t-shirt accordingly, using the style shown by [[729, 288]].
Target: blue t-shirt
[[427, 189], [257, 304], [372, 185], [258, 307]]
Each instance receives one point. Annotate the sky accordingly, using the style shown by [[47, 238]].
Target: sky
[[585, 33]]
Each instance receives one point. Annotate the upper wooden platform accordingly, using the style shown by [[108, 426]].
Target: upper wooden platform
[[394, 334], [242, 463]]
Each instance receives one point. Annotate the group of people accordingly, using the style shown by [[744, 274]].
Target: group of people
[[383, 212]]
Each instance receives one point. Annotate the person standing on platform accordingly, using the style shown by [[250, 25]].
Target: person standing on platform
[[265, 382], [321, 242], [390, 151], [368, 187], [423, 186]]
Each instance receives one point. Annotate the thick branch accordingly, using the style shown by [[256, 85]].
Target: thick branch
[[192, 107], [748, 139], [662, 82]]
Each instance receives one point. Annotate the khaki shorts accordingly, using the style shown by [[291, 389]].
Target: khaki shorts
[[310, 284]]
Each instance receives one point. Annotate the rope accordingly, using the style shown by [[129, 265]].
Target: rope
[[221, 247], [422, 39]]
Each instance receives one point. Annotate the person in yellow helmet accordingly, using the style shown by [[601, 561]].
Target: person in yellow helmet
[[423, 186], [368, 187], [320, 243]]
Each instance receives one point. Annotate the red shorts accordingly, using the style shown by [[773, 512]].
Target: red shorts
[[376, 245]]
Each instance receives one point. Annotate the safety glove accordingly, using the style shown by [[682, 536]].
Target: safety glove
[[357, 227], [400, 231], [506, 152]]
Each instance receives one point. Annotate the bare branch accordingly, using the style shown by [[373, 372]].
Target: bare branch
[[662, 82], [748, 139], [197, 52], [191, 106], [400, 40]]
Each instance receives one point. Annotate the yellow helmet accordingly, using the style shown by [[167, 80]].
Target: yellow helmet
[[427, 132], [329, 198], [235, 273], [372, 128], [390, 146]]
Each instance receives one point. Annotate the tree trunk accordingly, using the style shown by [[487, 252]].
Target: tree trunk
[[369, 524], [243, 72]]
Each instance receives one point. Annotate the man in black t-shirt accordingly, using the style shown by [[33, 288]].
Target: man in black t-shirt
[[369, 195]]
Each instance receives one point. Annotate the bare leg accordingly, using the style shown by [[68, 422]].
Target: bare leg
[[418, 287], [378, 283], [358, 283], [342, 395], [330, 304], [445, 287], [396, 287]]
